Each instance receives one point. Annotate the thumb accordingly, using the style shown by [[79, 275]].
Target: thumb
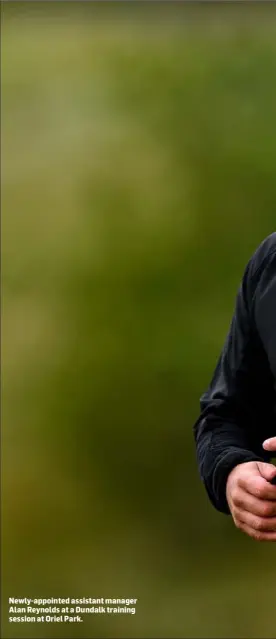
[[267, 471], [270, 444]]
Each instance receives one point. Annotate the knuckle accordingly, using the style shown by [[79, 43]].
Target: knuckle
[[238, 499], [258, 491], [267, 510], [236, 496], [259, 524]]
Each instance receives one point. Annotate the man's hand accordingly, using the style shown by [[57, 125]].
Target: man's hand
[[252, 498]]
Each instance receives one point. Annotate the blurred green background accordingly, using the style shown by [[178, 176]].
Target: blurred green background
[[138, 176]]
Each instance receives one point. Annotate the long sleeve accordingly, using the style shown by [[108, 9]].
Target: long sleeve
[[237, 409]]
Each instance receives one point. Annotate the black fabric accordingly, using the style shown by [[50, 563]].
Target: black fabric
[[238, 409]]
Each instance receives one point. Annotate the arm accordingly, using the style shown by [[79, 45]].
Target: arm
[[237, 409]]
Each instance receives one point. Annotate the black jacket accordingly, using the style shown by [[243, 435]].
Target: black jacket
[[238, 409]]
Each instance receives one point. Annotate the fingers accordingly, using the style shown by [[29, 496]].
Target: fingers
[[260, 507], [270, 444], [259, 524], [258, 487], [257, 534]]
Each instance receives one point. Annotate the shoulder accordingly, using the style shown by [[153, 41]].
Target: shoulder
[[261, 270], [261, 266], [263, 256]]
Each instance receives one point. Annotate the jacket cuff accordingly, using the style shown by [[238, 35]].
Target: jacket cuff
[[224, 466]]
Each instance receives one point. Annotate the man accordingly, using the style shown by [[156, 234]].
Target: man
[[236, 430]]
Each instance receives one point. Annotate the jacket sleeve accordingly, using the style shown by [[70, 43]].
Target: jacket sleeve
[[236, 409]]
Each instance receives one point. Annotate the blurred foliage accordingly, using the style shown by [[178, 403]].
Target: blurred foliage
[[138, 176]]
